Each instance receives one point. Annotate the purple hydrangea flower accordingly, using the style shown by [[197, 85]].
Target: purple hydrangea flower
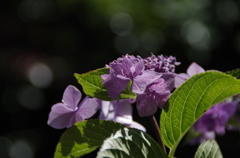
[[216, 118], [152, 80], [125, 69], [156, 95], [192, 70], [119, 111], [70, 111], [203, 137], [161, 63], [236, 117]]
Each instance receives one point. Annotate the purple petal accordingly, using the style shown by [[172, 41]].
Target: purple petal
[[140, 82], [76, 118], [119, 70], [107, 110], [139, 67], [158, 92], [157, 85], [219, 129], [194, 69], [169, 80], [162, 98], [180, 79], [71, 96], [123, 108], [223, 118], [126, 120], [200, 126], [105, 76], [128, 67], [137, 126], [203, 138], [207, 122], [123, 112], [88, 108], [207, 136], [115, 86], [146, 106], [60, 116], [230, 108]]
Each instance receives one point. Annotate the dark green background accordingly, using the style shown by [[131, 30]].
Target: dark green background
[[76, 36]]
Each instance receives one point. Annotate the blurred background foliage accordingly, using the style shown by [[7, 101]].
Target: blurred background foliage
[[43, 42]]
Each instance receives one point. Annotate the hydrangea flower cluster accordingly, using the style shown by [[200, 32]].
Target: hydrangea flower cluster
[[152, 80]]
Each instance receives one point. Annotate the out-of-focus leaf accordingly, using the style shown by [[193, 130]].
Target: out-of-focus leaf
[[84, 137], [131, 143], [234, 73], [209, 149]]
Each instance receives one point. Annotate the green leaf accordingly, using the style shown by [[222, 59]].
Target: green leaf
[[84, 137], [131, 143], [233, 122], [190, 135], [190, 101], [93, 86], [234, 73], [209, 149]]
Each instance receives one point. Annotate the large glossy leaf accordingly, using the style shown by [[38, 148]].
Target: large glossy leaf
[[84, 137], [131, 143], [93, 86], [190, 101], [209, 149]]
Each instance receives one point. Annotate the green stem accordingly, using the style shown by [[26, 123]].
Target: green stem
[[171, 152], [157, 131]]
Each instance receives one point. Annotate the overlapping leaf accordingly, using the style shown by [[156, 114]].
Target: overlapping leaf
[[84, 137], [93, 86], [209, 149], [235, 73], [131, 143], [191, 100]]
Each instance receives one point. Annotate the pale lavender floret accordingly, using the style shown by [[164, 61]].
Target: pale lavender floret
[[161, 63], [203, 137], [119, 111], [155, 96], [125, 69], [107, 110], [214, 121], [70, 111], [216, 118], [192, 70]]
